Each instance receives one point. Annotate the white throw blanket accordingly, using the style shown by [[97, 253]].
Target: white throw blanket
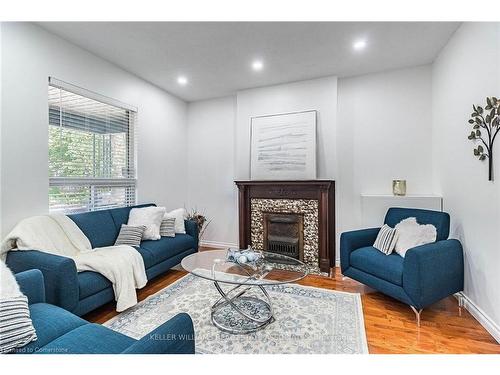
[[59, 235]]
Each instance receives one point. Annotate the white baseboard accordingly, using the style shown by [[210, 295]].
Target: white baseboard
[[216, 244], [480, 316]]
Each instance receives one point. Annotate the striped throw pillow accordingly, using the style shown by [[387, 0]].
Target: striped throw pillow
[[167, 227], [130, 235], [386, 239], [16, 327]]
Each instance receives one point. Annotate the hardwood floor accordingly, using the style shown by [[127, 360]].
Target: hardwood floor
[[390, 325]]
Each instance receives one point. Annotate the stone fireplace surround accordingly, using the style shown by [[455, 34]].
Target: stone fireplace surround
[[315, 199], [307, 207]]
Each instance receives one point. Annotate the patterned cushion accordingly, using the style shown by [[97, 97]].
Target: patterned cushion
[[167, 227], [130, 235], [179, 214], [16, 327], [386, 239]]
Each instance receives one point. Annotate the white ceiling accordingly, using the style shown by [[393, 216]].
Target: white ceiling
[[216, 56]]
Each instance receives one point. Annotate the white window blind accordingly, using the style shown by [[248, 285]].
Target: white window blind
[[91, 151]]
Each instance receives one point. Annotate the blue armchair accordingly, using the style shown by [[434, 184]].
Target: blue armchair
[[61, 332], [427, 274]]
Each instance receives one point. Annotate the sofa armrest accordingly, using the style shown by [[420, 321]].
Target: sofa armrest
[[433, 271], [31, 284], [175, 336], [350, 241], [59, 274], [192, 230]]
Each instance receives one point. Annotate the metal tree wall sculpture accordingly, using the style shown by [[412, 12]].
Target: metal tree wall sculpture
[[485, 126]]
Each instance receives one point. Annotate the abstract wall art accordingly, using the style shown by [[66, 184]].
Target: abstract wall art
[[283, 146]]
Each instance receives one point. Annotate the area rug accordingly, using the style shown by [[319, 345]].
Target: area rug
[[308, 320]]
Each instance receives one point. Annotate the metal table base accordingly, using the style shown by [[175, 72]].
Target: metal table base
[[238, 313]]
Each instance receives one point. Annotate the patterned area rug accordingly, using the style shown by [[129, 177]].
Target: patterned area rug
[[308, 320]]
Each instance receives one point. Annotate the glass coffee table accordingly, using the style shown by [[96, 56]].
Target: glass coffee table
[[245, 305]]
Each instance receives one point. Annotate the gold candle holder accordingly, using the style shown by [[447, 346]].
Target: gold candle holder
[[399, 187]]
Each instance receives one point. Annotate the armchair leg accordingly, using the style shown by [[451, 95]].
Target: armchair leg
[[460, 304], [417, 314]]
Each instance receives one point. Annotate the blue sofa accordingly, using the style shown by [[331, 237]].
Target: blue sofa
[[82, 292], [425, 275], [61, 332]]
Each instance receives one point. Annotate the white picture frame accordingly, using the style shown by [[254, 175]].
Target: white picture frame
[[283, 146]]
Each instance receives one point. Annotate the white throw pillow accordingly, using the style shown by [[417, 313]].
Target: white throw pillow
[[179, 214], [8, 283], [150, 217], [411, 234]]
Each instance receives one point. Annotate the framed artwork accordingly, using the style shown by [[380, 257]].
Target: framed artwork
[[283, 146]]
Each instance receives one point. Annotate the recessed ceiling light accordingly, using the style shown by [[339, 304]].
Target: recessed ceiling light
[[359, 45], [257, 65], [181, 80]]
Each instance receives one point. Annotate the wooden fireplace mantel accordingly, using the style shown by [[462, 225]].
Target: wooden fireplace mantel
[[321, 190]]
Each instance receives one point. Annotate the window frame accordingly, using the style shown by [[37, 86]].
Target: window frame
[[93, 183]]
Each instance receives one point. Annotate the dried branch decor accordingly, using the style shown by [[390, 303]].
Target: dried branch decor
[[485, 126], [200, 220]]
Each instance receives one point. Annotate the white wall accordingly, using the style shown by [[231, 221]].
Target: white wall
[[211, 159], [318, 94], [29, 56], [466, 71], [384, 133]]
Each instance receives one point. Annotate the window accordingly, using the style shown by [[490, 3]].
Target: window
[[91, 151]]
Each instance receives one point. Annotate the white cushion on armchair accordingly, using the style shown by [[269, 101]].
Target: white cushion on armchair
[[411, 234]]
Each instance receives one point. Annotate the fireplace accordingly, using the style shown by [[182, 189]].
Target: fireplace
[[284, 234], [295, 218]]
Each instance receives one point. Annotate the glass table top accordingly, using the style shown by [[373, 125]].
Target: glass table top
[[270, 269]]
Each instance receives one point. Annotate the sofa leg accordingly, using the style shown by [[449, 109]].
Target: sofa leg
[[417, 314]]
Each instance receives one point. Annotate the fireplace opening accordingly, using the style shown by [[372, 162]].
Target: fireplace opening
[[284, 234]]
